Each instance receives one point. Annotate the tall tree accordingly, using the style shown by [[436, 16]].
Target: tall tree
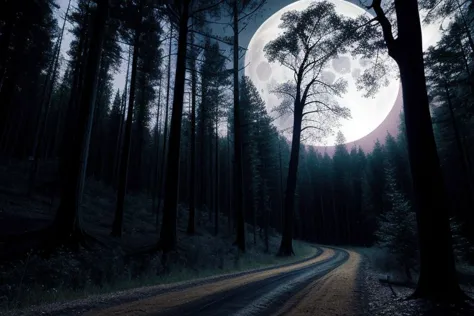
[[168, 229], [192, 182], [66, 226], [145, 32], [430, 198], [308, 98], [181, 12]]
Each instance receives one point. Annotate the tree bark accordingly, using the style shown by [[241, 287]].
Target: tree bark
[[280, 215], [155, 177], [237, 136], [286, 246], [45, 103], [438, 280], [165, 133], [124, 161], [168, 238], [66, 226], [229, 193], [216, 194], [119, 142], [192, 175], [210, 175]]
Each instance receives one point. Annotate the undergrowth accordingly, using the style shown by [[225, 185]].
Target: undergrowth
[[68, 275]]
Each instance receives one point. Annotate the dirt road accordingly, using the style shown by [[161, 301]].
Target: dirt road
[[324, 285]]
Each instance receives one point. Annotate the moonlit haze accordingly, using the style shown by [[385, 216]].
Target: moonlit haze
[[367, 113]]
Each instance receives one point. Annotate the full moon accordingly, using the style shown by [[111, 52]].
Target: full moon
[[366, 113]]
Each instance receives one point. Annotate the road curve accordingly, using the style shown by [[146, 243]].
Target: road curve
[[263, 297], [259, 293]]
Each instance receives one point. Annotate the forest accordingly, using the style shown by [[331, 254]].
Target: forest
[[177, 167]]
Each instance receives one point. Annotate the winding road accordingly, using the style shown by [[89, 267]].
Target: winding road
[[322, 285]]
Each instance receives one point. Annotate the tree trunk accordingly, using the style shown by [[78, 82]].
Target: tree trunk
[[45, 103], [438, 278], [237, 137], [336, 235], [202, 147], [165, 133], [286, 246], [168, 230], [192, 175], [323, 220], [74, 99], [267, 223], [66, 226], [216, 194], [119, 142], [155, 177], [254, 216], [124, 161], [210, 177], [229, 193]]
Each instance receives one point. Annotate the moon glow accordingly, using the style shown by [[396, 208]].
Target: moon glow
[[367, 113]]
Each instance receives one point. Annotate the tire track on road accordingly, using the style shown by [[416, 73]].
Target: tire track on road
[[261, 297], [337, 293], [202, 292]]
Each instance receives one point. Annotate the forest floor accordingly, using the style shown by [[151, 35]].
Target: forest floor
[[325, 284], [206, 276], [33, 280], [384, 299]]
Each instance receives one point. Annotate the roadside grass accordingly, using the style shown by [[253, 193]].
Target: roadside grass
[[66, 276]]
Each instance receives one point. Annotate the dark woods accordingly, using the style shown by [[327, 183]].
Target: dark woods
[[184, 130]]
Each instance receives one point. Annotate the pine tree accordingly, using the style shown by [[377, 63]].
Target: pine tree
[[397, 226]]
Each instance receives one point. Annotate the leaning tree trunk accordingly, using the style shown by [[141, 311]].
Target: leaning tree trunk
[[66, 226], [237, 137], [286, 246], [168, 238], [437, 279], [127, 141]]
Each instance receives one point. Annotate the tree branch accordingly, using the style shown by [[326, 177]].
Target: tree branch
[[311, 126], [259, 6], [386, 26], [209, 7]]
